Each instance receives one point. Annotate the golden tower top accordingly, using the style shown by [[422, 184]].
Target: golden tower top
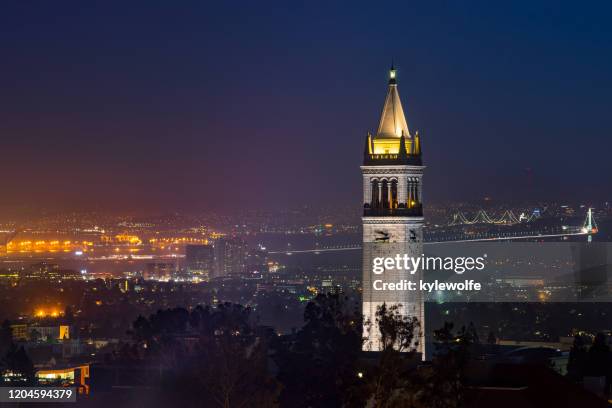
[[392, 121]]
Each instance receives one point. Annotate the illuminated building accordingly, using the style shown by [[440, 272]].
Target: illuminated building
[[64, 332], [19, 331], [71, 375], [42, 270], [51, 272], [59, 332], [392, 213], [160, 270], [230, 256], [128, 239], [199, 260]]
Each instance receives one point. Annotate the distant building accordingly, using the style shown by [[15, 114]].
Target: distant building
[[19, 331], [59, 332], [67, 376], [160, 270], [199, 261], [230, 256], [42, 270], [256, 263], [49, 271]]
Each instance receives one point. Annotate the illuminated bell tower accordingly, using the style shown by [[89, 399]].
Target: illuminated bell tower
[[392, 213]]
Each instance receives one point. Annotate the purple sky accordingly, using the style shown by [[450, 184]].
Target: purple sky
[[161, 106]]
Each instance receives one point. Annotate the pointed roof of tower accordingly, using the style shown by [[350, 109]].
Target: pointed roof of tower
[[392, 122]]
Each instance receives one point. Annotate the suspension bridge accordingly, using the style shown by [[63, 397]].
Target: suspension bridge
[[481, 217], [588, 229]]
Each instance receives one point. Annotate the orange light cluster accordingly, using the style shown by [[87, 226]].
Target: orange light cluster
[[128, 238], [47, 246], [42, 312]]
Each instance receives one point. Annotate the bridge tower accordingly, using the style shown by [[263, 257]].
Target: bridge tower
[[392, 214], [589, 226]]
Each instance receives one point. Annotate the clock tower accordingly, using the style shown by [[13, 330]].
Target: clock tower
[[392, 214]]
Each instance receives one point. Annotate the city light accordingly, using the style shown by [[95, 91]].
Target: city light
[[46, 313]]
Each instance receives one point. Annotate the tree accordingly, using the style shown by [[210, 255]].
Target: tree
[[6, 338], [598, 356], [444, 381], [491, 339], [577, 360], [35, 335], [156, 336], [397, 331], [318, 365], [69, 315], [391, 383], [227, 367]]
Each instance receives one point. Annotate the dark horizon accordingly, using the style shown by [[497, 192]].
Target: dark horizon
[[115, 107]]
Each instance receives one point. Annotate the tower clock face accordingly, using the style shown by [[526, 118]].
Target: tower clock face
[[382, 236]]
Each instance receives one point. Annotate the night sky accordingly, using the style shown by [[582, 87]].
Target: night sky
[[209, 105]]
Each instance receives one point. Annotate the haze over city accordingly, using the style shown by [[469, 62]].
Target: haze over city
[[196, 106]]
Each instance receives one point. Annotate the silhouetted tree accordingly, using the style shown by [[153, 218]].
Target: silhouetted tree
[[156, 336], [598, 356], [318, 364], [69, 315], [230, 364], [391, 383], [491, 339], [444, 380], [6, 338], [398, 332], [226, 367], [577, 360], [35, 335]]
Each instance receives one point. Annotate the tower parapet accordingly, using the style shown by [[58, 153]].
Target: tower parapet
[[407, 152]]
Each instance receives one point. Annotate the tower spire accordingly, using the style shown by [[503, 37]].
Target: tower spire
[[392, 121]]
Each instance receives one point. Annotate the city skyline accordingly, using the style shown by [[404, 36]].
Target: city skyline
[[125, 108], [218, 204]]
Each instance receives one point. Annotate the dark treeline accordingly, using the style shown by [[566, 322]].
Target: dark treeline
[[221, 357], [592, 360], [525, 321]]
